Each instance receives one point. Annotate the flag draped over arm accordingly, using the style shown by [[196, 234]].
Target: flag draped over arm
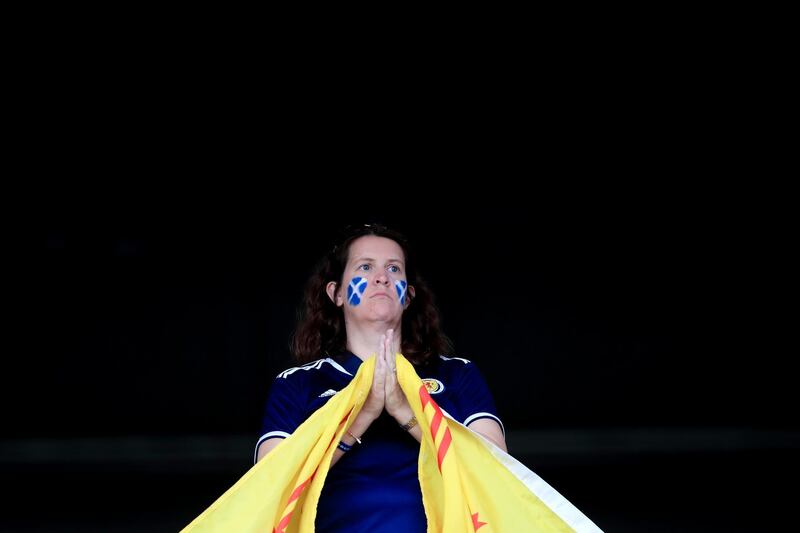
[[468, 484]]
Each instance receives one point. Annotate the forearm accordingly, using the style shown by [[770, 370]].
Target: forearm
[[402, 416], [360, 424]]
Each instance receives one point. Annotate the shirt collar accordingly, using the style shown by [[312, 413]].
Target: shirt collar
[[351, 362]]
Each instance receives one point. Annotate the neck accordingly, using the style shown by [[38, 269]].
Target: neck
[[364, 340]]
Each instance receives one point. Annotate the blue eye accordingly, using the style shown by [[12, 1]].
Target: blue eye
[[394, 268], [364, 267]]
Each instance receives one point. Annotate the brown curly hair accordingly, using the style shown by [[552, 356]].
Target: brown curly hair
[[320, 330]]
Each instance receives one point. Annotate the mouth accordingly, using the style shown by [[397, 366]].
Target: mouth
[[379, 295]]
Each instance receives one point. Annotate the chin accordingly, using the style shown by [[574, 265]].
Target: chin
[[383, 312], [383, 317]]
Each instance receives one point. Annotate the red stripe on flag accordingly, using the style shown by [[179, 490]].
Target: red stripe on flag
[[437, 415], [282, 524], [437, 419], [295, 494], [477, 524], [299, 489], [424, 396], [444, 446]]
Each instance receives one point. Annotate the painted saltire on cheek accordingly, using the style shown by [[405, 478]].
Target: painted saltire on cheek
[[401, 286], [356, 290]]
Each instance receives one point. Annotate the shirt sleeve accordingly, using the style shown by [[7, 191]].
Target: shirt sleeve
[[284, 410], [473, 399]]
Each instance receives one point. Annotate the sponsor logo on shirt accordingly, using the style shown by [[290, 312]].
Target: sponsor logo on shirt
[[433, 386], [329, 392]]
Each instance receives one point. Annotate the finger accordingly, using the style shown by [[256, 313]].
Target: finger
[[383, 350], [389, 372], [391, 375], [380, 365], [390, 382], [391, 358]]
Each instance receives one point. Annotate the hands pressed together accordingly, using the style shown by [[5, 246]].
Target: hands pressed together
[[385, 392]]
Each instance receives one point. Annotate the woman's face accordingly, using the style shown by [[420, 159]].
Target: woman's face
[[374, 285]]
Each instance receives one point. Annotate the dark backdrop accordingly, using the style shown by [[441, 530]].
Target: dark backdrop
[[636, 343]]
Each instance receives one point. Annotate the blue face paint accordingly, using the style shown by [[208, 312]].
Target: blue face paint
[[401, 286], [356, 290]]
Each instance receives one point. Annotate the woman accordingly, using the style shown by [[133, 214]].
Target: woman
[[366, 299]]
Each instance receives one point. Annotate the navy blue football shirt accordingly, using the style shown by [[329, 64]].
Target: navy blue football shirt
[[373, 487]]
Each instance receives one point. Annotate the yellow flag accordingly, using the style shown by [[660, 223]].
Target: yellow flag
[[468, 484]]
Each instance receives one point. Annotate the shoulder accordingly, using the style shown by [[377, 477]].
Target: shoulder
[[309, 370], [455, 366], [460, 372], [308, 380], [453, 361], [453, 369]]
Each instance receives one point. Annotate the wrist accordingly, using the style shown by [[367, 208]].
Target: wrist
[[366, 417], [403, 414]]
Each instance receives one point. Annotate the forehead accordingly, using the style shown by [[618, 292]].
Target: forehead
[[376, 248]]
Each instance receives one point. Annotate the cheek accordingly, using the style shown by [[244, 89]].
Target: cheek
[[355, 290], [401, 286]]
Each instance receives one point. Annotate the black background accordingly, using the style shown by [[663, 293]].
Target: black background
[[635, 341], [602, 232]]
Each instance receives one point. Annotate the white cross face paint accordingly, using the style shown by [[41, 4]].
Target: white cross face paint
[[355, 290], [401, 286]]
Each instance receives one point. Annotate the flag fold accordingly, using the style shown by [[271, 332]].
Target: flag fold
[[468, 484]]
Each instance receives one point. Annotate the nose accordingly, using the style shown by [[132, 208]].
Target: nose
[[382, 279]]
